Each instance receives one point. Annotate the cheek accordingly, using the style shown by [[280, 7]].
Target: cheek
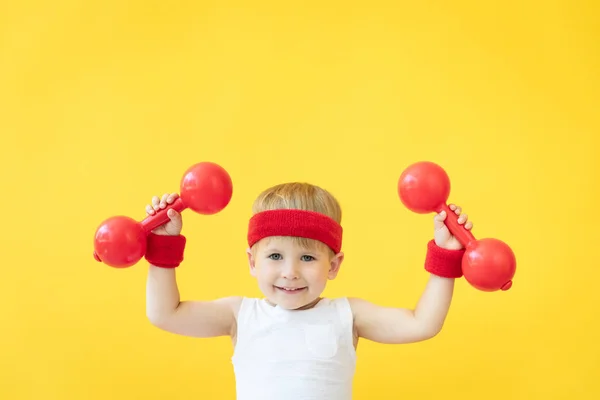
[[266, 272], [319, 273]]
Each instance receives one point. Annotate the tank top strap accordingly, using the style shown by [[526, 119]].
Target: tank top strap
[[247, 319], [245, 310], [345, 318]]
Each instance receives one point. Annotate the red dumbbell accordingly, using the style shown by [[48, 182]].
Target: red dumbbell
[[488, 264], [120, 241]]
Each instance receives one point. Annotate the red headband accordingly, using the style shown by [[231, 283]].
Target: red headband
[[300, 223]]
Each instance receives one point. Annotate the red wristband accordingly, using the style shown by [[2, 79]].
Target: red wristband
[[165, 251], [443, 262]]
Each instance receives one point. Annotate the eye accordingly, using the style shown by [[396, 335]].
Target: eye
[[275, 256], [307, 258]]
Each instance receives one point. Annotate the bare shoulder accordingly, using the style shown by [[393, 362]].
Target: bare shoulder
[[359, 305], [202, 319], [384, 324], [365, 311], [233, 303]]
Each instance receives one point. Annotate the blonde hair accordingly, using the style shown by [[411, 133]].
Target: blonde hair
[[299, 196]]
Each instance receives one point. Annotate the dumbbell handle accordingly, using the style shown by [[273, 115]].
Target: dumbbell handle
[[463, 235], [152, 222]]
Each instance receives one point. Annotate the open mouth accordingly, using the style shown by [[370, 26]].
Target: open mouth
[[290, 290]]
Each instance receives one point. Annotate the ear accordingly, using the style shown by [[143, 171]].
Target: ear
[[251, 263], [334, 265]]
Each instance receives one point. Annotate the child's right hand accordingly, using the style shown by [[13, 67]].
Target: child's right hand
[[175, 223]]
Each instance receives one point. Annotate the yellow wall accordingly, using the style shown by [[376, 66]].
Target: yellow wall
[[104, 104]]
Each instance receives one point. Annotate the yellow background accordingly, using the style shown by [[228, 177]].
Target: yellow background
[[104, 104]]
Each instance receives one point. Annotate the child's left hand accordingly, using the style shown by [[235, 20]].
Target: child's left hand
[[441, 233]]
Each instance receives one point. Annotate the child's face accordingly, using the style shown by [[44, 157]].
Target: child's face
[[288, 274]]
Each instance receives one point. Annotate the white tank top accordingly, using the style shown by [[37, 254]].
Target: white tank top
[[294, 355]]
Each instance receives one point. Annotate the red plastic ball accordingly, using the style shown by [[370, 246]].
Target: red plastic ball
[[120, 242], [489, 265], [206, 188], [424, 187]]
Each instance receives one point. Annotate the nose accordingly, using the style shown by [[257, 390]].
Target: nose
[[290, 271]]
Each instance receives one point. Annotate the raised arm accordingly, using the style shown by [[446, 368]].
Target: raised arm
[[166, 311], [403, 325], [164, 307]]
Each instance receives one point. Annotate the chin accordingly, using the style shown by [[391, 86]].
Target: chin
[[288, 304]]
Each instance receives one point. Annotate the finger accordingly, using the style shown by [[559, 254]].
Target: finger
[[163, 200], [438, 220], [174, 215], [457, 210], [440, 217], [155, 202], [469, 225], [462, 218], [452, 207], [171, 198], [149, 209]]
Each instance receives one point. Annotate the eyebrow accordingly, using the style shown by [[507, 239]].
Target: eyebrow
[[272, 250]]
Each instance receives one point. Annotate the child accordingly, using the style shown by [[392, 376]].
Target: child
[[295, 344]]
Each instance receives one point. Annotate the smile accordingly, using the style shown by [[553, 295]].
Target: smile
[[290, 290]]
